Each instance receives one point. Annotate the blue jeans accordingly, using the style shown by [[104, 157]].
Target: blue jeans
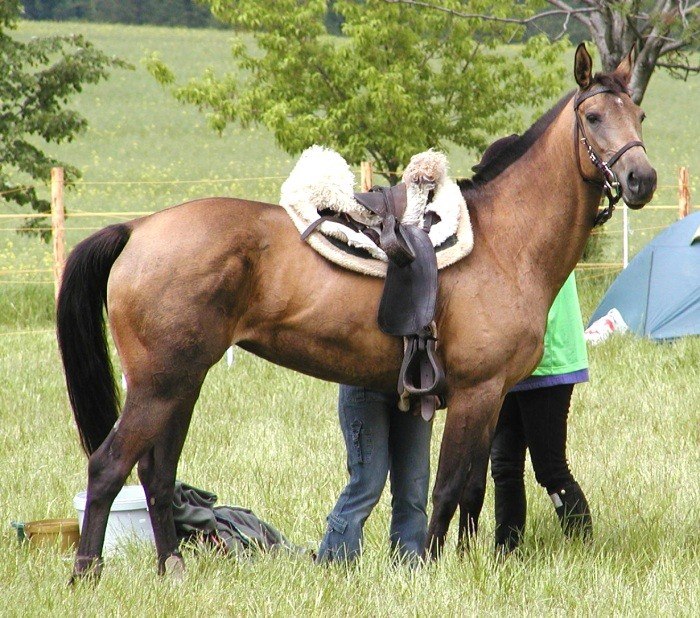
[[380, 440]]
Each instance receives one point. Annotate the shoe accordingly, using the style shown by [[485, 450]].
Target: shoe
[[574, 514]]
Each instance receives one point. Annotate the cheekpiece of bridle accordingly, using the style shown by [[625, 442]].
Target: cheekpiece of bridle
[[610, 184]]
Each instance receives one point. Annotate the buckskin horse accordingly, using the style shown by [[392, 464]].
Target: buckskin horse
[[182, 285]]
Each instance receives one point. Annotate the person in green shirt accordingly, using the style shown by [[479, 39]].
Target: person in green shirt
[[534, 416]]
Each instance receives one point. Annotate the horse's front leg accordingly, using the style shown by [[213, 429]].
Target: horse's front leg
[[464, 455]]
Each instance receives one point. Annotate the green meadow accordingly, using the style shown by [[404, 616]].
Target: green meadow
[[267, 438]]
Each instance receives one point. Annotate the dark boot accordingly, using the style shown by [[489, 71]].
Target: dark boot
[[511, 506], [573, 512]]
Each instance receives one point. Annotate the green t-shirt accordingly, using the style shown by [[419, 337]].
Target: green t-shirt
[[564, 345]]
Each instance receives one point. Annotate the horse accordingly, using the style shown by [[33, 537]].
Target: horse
[[182, 285]]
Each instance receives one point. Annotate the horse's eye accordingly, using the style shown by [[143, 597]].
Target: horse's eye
[[592, 118]]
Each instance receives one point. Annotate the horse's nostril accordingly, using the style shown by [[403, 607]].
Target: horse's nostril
[[640, 186], [632, 181]]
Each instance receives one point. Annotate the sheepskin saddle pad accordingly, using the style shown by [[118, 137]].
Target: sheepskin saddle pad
[[322, 181]]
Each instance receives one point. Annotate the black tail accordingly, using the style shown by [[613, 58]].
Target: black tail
[[82, 339]]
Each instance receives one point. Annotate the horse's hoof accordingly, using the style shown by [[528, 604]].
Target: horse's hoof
[[173, 567], [86, 568], [464, 547]]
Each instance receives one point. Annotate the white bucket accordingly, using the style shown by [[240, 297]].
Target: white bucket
[[128, 518]]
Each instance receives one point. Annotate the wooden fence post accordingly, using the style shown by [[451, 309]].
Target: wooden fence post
[[58, 230], [683, 192], [365, 176]]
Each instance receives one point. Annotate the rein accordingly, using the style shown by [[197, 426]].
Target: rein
[[610, 184]]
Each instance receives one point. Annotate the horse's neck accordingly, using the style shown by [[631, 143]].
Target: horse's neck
[[536, 215]]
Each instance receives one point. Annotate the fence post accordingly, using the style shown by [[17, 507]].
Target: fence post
[[683, 193], [58, 230], [365, 176]]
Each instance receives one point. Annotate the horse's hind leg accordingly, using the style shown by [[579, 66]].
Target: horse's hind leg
[[152, 429], [106, 476], [108, 468], [157, 471]]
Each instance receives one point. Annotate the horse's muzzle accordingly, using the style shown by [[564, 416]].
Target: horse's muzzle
[[639, 187]]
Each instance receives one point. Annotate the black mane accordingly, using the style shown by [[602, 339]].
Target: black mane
[[507, 150]]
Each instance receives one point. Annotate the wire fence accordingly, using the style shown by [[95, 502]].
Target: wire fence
[[80, 223]]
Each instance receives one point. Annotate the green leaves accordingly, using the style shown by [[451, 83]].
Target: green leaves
[[401, 80], [37, 80]]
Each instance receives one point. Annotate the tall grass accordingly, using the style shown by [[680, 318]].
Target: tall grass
[[268, 438]]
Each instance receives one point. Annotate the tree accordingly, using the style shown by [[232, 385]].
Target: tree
[[398, 82], [665, 32], [37, 79], [163, 12]]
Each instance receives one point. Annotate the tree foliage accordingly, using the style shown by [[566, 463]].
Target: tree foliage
[[398, 82], [37, 79]]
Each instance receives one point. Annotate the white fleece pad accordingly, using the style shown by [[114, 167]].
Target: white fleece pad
[[322, 179]]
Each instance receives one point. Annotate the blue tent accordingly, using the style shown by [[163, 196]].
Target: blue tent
[[658, 294]]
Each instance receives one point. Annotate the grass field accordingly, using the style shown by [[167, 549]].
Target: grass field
[[267, 438]]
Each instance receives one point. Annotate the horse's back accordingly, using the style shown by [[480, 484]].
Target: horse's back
[[185, 244]]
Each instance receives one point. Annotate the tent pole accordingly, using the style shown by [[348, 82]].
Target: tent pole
[[625, 239]]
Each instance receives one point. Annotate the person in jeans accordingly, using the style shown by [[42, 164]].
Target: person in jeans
[[534, 416], [380, 440]]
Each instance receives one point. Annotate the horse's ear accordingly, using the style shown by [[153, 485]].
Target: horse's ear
[[583, 67], [624, 69]]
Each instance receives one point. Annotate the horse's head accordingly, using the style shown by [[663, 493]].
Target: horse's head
[[609, 132]]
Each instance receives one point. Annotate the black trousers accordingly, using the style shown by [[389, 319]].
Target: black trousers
[[534, 420]]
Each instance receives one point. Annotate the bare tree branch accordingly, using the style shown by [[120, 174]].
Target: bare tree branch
[[578, 15], [680, 67], [482, 17], [673, 45]]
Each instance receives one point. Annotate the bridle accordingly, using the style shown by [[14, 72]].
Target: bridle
[[610, 184]]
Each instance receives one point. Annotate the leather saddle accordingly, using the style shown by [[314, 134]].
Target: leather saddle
[[407, 306]]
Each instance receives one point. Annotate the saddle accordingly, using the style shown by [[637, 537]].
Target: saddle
[[403, 234], [407, 306]]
